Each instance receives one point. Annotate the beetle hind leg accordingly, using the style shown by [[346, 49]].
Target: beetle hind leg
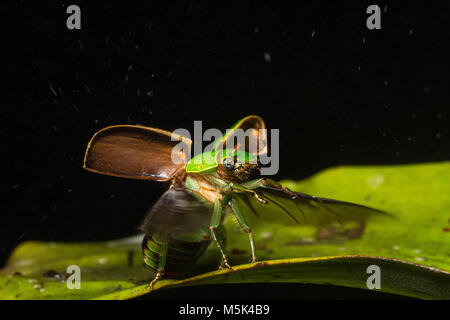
[[159, 275], [152, 263]]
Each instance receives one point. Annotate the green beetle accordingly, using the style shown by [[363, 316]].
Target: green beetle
[[188, 216]]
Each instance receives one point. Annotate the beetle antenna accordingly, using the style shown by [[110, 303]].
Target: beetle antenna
[[235, 149]]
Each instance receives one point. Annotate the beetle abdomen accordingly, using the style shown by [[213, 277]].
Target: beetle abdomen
[[181, 255]]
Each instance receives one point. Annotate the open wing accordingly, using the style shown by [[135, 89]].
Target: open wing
[[177, 215], [137, 152], [302, 209]]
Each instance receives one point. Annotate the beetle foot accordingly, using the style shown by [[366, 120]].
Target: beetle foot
[[158, 276], [259, 198], [225, 264], [222, 266]]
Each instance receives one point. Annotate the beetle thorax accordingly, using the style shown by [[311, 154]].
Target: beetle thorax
[[206, 187]]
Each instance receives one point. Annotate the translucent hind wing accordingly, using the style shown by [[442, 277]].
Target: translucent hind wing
[[177, 215], [302, 209]]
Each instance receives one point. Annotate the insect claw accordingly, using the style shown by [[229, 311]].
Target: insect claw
[[157, 277], [151, 284], [227, 265], [224, 264], [259, 198], [223, 267]]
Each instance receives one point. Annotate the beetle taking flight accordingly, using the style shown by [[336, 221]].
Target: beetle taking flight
[[188, 216]]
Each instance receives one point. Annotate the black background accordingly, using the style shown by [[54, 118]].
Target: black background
[[338, 92]]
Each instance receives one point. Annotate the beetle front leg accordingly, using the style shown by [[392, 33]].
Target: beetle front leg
[[254, 184], [242, 188], [240, 218], [216, 219]]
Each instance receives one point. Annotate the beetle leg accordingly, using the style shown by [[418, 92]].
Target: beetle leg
[[240, 218], [158, 276], [253, 184], [162, 263], [241, 188], [216, 219], [221, 233]]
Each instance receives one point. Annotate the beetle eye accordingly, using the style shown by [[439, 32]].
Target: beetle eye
[[228, 164]]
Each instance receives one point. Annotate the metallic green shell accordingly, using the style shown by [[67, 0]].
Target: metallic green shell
[[208, 161]]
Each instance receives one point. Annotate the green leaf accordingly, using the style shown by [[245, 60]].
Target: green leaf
[[412, 251]]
